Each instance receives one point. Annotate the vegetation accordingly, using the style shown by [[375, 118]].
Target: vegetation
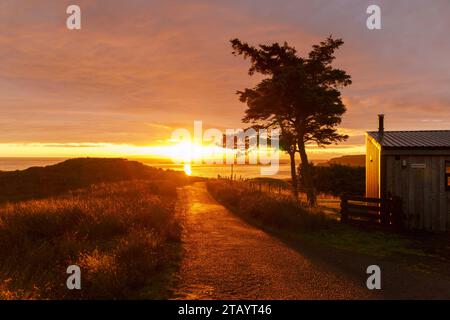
[[274, 182], [41, 182], [337, 179], [125, 236], [281, 212], [300, 96]]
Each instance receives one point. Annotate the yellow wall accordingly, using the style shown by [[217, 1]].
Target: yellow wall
[[372, 168]]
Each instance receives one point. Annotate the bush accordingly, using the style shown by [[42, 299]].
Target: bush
[[338, 179], [272, 211]]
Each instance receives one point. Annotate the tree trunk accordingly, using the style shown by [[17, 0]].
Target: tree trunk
[[294, 175], [306, 175]]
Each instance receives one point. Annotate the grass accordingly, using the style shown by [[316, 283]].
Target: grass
[[373, 243], [124, 236], [288, 218], [276, 211], [44, 182]]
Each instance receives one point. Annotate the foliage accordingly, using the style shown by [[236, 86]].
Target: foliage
[[272, 211], [123, 235], [301, 96], [337, 179]]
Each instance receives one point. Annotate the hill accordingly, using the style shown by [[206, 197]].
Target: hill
[[351, 161], [40, 182]]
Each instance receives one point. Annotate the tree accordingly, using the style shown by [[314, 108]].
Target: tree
[[300, 95], [288, 143], [261, 101]]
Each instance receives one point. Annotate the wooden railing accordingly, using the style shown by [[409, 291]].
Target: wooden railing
[[384, 212]]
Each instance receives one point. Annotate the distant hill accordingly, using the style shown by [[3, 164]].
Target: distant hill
[[351, 161], [38, 182]]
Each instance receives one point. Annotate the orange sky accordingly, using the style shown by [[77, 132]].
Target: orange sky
[[139, 69]]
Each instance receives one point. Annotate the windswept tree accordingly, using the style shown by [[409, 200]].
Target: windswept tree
[[261, 101], [300, 95]]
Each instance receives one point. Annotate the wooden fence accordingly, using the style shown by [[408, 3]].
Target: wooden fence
[[385, 212]]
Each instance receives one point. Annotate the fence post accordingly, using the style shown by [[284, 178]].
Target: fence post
[[344, 208], [385, 211]]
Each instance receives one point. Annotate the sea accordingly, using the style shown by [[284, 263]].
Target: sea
[[200, 170]]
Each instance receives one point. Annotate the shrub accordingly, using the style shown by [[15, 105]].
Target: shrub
[[339, 179], [275, 211]]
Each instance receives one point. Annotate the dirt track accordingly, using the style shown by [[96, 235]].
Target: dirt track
[[226, 258]]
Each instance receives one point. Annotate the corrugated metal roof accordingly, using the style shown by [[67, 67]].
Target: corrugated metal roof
[[413, 139]]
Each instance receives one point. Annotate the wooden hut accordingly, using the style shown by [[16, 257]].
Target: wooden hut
[[413, 165]]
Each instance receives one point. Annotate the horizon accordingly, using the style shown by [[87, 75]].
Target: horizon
[[8, 164]]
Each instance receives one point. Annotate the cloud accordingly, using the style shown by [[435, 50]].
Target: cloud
[[138, 67]]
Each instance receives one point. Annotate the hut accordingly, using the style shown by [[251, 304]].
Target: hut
[[415, 166]]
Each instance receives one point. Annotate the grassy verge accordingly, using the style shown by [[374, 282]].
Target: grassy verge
[[277, 212], [288, 218], [124, 236]]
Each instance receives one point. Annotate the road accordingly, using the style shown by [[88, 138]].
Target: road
[[226, 258]]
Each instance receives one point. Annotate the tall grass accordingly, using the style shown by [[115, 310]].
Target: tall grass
[[270, 210], [123, 236]]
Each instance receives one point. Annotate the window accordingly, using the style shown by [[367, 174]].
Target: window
[[447, 175]]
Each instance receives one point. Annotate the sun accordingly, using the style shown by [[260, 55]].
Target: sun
[[187, 169], [188, 152]]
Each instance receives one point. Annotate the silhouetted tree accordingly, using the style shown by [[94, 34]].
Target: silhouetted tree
[[288, 143], [300, 95], [261, 101]]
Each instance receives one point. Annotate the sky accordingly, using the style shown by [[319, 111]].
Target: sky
[[139, 69]]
